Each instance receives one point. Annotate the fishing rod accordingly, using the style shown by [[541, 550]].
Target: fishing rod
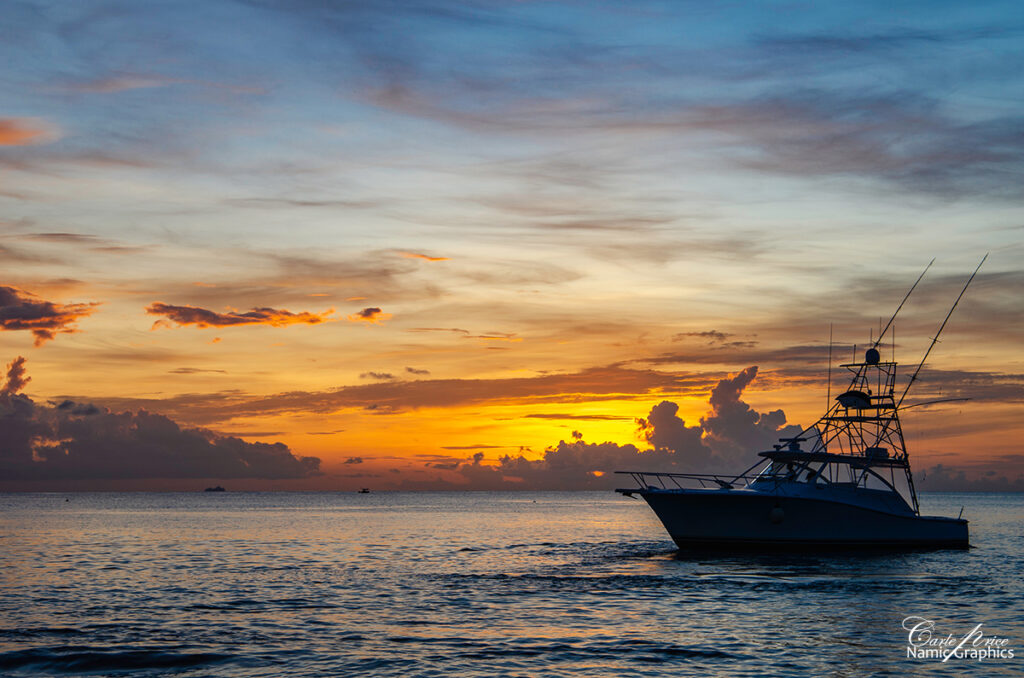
[[889, 324], [913, 377]]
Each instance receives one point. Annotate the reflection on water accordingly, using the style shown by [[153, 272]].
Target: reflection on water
[[469, 583]]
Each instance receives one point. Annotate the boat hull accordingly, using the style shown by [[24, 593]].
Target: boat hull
[[746, 519]]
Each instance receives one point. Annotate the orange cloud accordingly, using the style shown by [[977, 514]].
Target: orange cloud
[[20, 310], [204, 318], [424, 257], [25, 131], [370, 314], [496, 336]]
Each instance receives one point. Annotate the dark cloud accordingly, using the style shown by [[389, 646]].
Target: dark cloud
[[353, 460], [733, 428], [593, 384], [664, 430], [371, 314], [79, 409], [713, 336], [381, 376], [203, 318], [20, 310], [16, 377], [81, 441], [725, 441], [940, 478], [413, 370]]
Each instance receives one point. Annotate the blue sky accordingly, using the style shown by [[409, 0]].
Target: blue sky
[[590, 180]]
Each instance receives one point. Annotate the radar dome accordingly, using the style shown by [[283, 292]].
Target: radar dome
[[871, 356]]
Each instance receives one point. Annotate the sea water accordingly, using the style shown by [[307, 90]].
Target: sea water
[[474, 584]]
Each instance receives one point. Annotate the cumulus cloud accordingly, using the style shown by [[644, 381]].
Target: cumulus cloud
[[81, 441], [26, 131], [16, 377], [204, 318], [725, 441], [733, 428], [21, 310], [371, 314]]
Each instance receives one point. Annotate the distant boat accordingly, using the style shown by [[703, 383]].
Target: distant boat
[[365, 490], [215, 489], [852, 488]]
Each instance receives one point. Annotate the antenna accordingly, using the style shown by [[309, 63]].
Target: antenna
[[913, 377], [882, 333], [828, 395]]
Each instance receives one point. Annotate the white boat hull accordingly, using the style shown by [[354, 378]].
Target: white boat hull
[[744, 518]]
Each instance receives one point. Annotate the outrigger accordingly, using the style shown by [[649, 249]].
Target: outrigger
[[851, 487]]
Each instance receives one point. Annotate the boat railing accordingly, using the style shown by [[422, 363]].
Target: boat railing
[[679, 481]]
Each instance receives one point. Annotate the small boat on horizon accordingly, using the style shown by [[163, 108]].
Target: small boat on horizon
[[218, 488], [851, 487], [365, 490]]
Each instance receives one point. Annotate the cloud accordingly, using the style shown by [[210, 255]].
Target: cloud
[[415, 255], [353, 460], [711, 445], [593, 384], [725, 441], [733, 428], [16, 378], [26, 132], [581, 417], [940, 478], [20, 310], [382, 376], [194, 370], [713, 336], [413, 370], [81, 441], [203, 318], [371, 314], [123, 83], [454, 330]]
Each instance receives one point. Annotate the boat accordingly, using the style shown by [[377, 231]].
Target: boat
[[218, 488], [844, 481], [364, 490]]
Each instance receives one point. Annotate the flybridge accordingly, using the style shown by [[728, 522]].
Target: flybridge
[[861, 430]]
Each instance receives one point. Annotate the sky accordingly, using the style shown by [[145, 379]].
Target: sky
[[488, 245]]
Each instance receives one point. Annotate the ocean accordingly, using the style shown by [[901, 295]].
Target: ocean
[[474, 584]]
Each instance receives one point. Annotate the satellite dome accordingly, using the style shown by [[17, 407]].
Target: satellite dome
[[871, 356]]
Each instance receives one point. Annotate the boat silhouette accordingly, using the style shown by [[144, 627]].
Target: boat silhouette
[[844, 481]]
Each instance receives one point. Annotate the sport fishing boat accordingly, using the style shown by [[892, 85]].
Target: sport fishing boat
[[843, 482]]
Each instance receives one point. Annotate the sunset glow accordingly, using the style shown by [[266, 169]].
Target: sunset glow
[[479, 245]]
